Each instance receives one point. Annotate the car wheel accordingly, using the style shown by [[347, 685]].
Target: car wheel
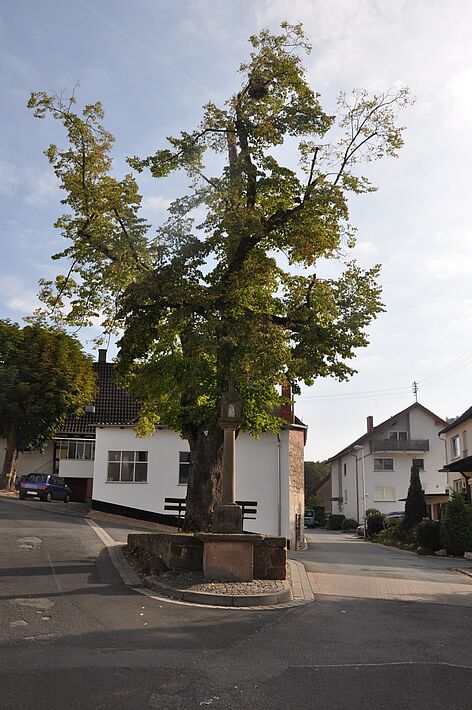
[[22, 496], [48, 497], [66, 498]]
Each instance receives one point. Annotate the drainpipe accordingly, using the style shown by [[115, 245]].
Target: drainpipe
[[279, 488]]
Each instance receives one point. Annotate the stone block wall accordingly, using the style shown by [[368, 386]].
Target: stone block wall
[[159, 551], [296, 443]]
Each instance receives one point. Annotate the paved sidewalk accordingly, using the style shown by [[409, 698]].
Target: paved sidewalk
[[363, 587], [346, 567]]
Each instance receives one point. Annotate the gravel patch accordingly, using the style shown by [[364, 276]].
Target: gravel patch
[[195, 582]]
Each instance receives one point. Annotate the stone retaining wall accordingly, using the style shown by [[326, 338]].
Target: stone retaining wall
[[183, 552]]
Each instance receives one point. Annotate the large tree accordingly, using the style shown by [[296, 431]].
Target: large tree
[[44, 376], [236, 299]]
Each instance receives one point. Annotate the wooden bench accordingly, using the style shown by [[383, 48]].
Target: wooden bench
[[178, 505]]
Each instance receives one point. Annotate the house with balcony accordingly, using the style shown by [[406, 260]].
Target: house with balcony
[[456, 436], [374, 470]]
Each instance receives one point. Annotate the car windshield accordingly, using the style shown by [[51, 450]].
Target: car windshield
[[37, 477]]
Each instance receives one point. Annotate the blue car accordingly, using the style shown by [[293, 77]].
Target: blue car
[[44, 486]]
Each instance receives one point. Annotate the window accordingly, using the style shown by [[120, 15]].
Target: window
[[345, 496], [76, 449], [419, 463], [397, 435], [455, 447], [184, 465], [127, 466], [345, 468], [385, 494], [457, 485], [383, 464], [465, 448]]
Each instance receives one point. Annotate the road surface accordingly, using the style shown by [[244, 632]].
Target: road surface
[[74, 637]]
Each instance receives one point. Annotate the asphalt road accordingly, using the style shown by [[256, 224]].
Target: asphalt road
[[72, 636]]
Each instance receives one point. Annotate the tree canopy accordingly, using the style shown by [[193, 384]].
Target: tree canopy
[[228, 288], [44, 376]]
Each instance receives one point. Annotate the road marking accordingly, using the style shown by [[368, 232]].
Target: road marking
[[102, 534]]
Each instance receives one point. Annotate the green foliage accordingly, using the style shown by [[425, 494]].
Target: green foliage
[[235, 298], [335, 522], [428, 534], [456, 526], [372, 511], [375, 523], [415, 506], [349, 524], [315, 471], [44, 376]]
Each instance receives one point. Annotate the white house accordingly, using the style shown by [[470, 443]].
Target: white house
[[374, 471], [458, 457], [100, 457]]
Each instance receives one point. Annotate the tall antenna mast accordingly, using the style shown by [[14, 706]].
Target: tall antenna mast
[[415, 390]]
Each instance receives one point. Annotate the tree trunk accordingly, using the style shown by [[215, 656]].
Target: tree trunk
[[204, 482], [8, 477]]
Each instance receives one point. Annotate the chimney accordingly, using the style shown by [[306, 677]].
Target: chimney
[[370, 424], [286, 410], [102, 355]]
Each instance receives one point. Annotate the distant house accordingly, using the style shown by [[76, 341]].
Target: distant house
[[100, 457], [323, 492], [457, 435], [385, 454]]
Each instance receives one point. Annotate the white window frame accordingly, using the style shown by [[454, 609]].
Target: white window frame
[[63, 448], [395, 436], [184, 464], [455, 447], [381, 496], [140, 458], [382, 468]]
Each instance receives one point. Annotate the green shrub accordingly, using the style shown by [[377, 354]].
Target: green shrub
[[335, 522], [415, 505], [385, 538], [349, 524], [375, 523], [428, 534], [456, 526]]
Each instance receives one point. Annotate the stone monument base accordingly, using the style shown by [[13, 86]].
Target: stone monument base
[[228, 557]]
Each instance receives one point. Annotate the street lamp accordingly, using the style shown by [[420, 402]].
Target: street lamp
[[358, 447], [227, 515]]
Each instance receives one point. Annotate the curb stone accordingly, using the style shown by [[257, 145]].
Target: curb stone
[[269, 599]]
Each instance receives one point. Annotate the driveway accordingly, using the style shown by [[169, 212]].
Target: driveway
[[343, 565]]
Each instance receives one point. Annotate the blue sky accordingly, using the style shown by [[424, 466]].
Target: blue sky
[[153, 64]]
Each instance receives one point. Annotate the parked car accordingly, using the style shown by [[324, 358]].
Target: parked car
[[310, 520], [18, 481], [44, 486]]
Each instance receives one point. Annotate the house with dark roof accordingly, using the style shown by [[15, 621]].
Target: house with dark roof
[[456, 436], [374, 470], [101, 459]]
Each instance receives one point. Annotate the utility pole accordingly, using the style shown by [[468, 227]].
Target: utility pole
[[415, 390]]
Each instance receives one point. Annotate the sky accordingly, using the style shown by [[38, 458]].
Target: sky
[[153, 64]]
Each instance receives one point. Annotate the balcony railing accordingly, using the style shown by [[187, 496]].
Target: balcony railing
[[399, 445]]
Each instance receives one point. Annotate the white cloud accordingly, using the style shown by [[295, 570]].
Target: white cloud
[[16, 296], [8, 179], [156, 203], [43, 188]]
